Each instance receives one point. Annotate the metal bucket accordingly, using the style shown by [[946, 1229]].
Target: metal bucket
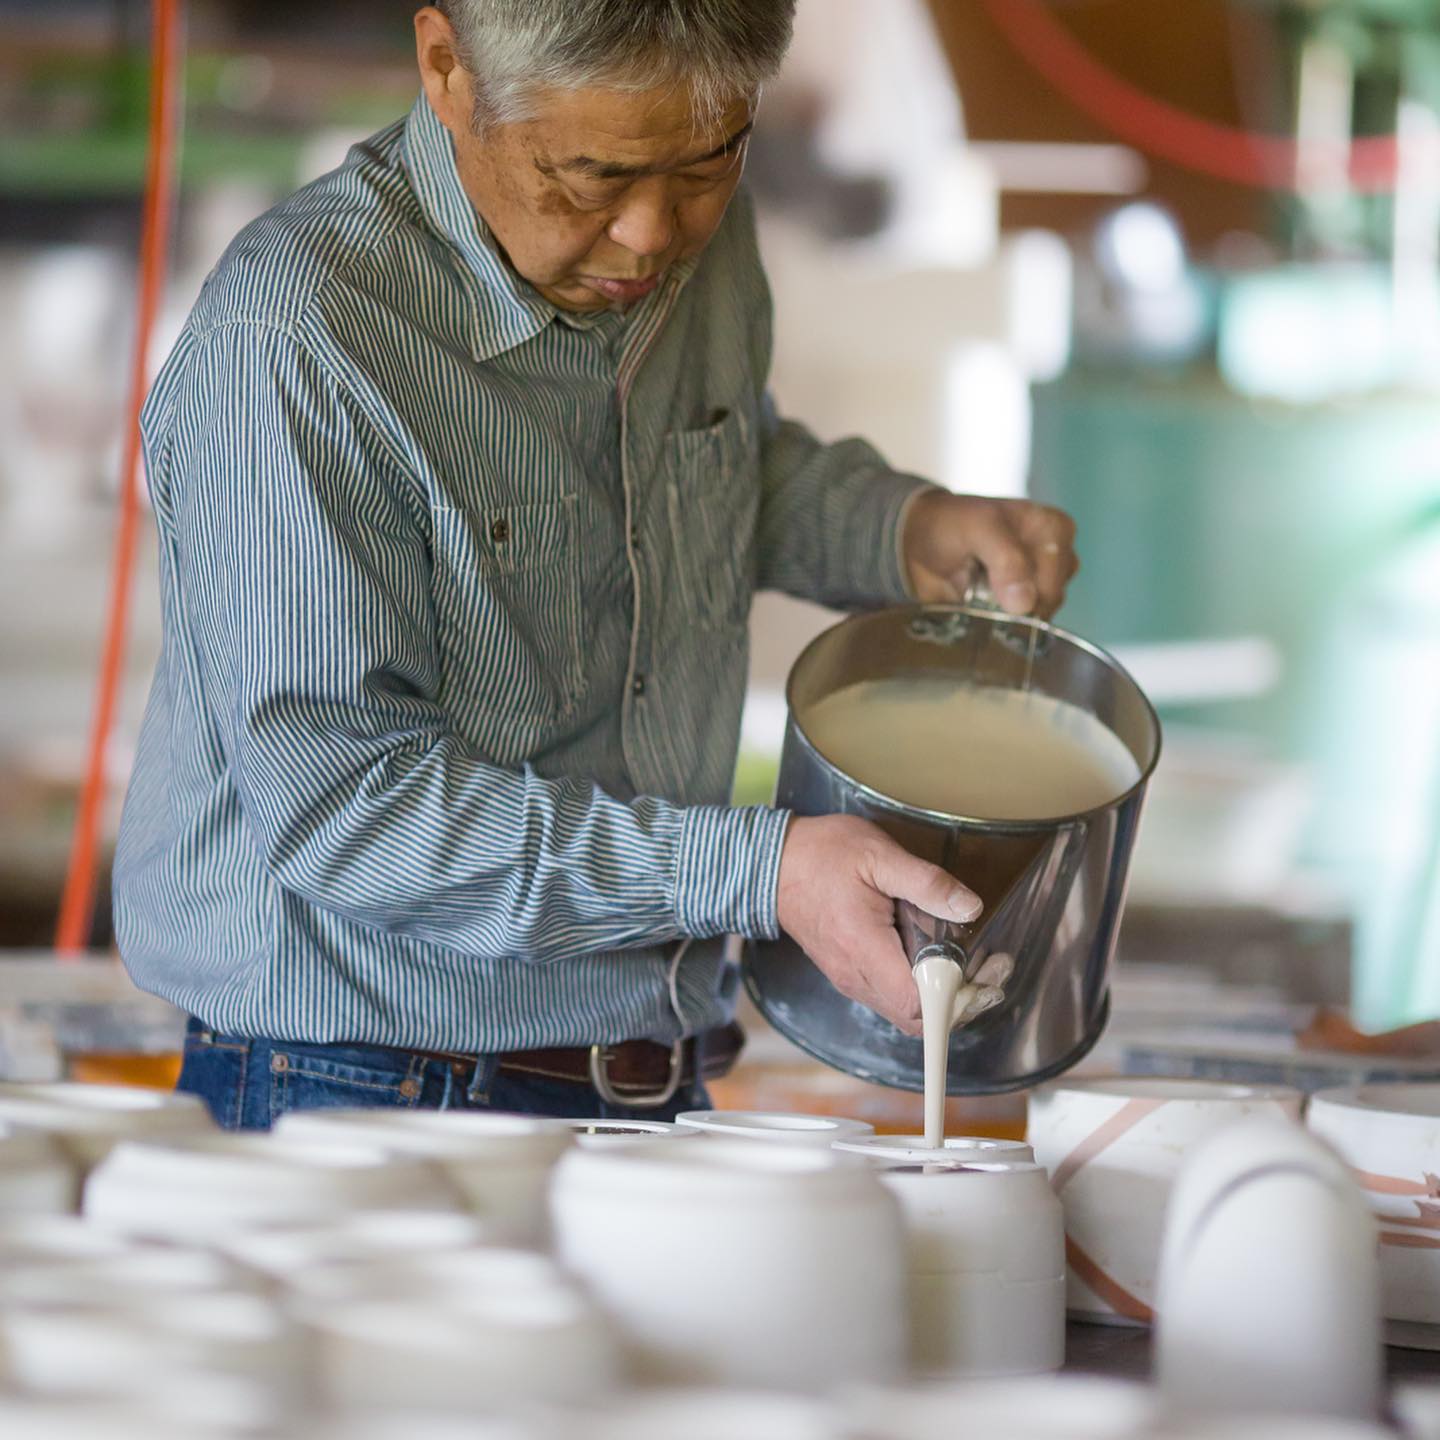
[[1053, 889]]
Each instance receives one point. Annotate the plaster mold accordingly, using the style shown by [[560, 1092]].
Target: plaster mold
[[37, 1175], [740, 1264], [714, 1415], [1113, 1148], [986, 1255], [957, 1149], [774, 1127], [89, 1120], [601, 1134], [1390, 1137], [1269, 1292], [202, 1188], [501, 1163], [463, 1355], [1048, 1407]]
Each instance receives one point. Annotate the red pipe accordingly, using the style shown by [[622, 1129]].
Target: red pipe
[[72, 933], [1266, 162]]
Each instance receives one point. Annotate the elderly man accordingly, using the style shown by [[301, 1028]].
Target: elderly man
[[465, 474]]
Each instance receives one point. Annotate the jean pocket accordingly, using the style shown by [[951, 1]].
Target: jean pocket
[[302, 1081], [214, 1068]]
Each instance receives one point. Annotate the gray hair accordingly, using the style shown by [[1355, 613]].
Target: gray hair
[[718, 49]]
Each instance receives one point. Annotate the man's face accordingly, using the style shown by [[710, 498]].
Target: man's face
[[602, 192]]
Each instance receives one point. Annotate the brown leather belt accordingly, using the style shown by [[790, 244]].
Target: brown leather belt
[[638, 1073]]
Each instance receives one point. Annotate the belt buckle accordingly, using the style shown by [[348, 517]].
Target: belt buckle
[[600, 1079]]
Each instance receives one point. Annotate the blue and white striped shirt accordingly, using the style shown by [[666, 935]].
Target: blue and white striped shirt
[[455, 594]]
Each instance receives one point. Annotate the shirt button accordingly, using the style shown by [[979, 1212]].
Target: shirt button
[[499, 529], [638, 685]]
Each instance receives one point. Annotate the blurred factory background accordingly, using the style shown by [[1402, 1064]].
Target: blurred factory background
[[1024, 247]]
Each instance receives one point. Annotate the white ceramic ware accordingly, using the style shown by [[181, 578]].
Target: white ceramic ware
[[912, 1149], [1390, 1137], [32, 1417], [430, 1275], [238, 1405], [1041, 1407], [414, 1425], [472, 1354], [89, 1119], [141, 1275], [55, 1240], [1113, 1147], [763, 1265], [500, 1163], [1417, 1409], [37, 1175], [709, 1415], [1269, 1298], [200, 1188], [74, 1348], [597, 1134], [774, 1126], [1277, 1427], [367, 1236], [986, 1252]]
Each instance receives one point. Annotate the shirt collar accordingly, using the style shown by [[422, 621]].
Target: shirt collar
[[508, 311]]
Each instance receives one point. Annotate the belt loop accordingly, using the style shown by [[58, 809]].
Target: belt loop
[[477, 1092]]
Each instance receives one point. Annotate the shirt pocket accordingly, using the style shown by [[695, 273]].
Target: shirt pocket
[[712, 491], [508, 612]]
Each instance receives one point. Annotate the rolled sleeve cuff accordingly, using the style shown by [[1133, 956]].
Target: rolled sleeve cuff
[[896, 548], [877, 525], [728, 871]]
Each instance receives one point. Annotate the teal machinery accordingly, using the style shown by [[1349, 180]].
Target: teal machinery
[[1255, 456]]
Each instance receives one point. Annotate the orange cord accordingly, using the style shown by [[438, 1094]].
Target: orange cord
[[1267, 162], [72, 933]]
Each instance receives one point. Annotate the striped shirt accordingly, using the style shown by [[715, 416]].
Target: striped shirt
[[455, 590]]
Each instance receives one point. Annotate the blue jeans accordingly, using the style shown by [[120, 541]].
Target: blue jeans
[[250, 1083]]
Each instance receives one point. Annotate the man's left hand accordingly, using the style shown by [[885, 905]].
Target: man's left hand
[[1027, 550]]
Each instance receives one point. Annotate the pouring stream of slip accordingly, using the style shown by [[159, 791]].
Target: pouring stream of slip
[[938, 980], [948, 1000]]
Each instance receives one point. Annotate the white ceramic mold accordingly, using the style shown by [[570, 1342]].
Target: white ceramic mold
[[599, 1134], [37, 1175], [1390, 1137], [136, 1278], [367, 1236], [476, 1354], [89, 1119], [500, 1163], [774, 1127], [740, 1264], [55, 1349], [1113, 1148], [709, 1415], [203, 1188], [55, 1240], [1269, 1293], [1042, 1407], [433, 1276], [957, 1149], [985, 1245]]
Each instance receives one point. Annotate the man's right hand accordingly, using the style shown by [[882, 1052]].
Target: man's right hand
[[839, 879]]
